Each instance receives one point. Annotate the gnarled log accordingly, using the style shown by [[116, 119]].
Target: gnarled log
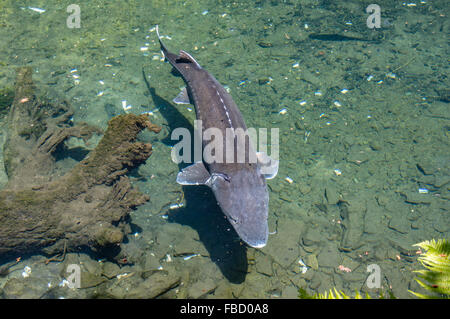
[[88, 205]]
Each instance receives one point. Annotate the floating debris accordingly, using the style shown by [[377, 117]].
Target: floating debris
[[101, 82], [295, 65], [337, 103], [148, 113], [143, 49], [303, 267], [100, 93], [303, 102], [369, 78], [391, 75], [337, 172], [26, 272], [344, 269], [190, 256], [344, 91], [205, 12], [289, 180], [265, 80], [175, 206], [64, 283], [318, 93], [38, 10], [423, 191], [307, 134], [125, 106], [301, 263], [282, 111], [124, 275]]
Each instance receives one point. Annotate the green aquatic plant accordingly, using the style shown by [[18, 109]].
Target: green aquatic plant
[[331, 294], [436, 277], [339, 294]]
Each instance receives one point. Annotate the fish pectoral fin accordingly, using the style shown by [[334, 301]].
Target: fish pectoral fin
[[182, 97], [269, 166], [195, 174]]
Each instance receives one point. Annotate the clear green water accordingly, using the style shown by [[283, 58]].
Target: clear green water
[[365, 127]]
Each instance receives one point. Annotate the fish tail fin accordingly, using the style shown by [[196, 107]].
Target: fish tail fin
[[174, 59], [169, 56]]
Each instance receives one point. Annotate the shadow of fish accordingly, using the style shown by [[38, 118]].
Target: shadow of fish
[[337, 37]]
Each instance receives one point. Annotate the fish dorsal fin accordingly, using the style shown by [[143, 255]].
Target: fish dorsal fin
[[269, 166], [182, 97], [195, 174], [186, 57]]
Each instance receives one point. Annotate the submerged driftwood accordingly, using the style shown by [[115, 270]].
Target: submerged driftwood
[[87, 206]]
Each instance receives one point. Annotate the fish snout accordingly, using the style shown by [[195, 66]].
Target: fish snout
[[247, 213]]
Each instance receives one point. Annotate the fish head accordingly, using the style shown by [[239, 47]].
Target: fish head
[[244, 199]]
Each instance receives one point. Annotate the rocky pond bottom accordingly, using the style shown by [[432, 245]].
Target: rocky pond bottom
[[363, 121]]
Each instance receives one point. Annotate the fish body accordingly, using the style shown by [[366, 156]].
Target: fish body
[[239, 186]]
